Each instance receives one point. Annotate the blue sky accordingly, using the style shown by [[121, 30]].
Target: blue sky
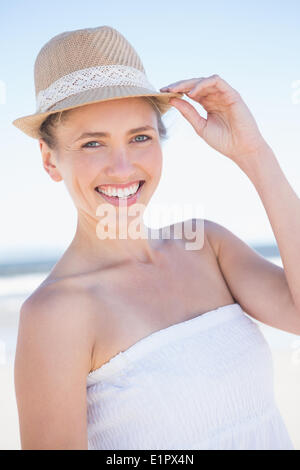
[[253, 45]]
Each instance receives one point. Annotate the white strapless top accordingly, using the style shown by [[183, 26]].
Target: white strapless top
[[204, 383]]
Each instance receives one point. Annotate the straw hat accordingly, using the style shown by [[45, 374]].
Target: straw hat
[[86, 66]]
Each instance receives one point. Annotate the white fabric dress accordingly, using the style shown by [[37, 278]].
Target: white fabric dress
[[204, 383]]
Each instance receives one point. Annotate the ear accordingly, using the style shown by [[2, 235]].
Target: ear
[[49, 161]]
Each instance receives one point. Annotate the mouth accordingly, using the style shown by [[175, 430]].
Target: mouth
[[123, 196]]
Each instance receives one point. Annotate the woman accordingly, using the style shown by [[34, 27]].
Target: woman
[[137, 342]]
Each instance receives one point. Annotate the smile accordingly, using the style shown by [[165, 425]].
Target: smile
[[115, 195]]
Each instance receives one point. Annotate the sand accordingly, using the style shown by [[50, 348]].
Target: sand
[[9, 424], [287, 390]]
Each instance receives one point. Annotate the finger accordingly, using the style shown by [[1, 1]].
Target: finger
[[190, 113], [210, 85], [203, 91], [187, 84]]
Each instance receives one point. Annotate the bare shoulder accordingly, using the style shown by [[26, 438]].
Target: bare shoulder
[[201, 234], [221, 237], [61, 301], [258, 285], [222, 240], [53, 358], [214, 233], [58, 320]]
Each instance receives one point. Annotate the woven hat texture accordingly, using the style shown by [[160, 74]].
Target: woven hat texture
[[84, 66]]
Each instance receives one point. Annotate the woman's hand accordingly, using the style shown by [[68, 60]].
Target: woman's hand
[[230, 127]]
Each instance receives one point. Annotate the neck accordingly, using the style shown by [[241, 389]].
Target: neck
[[118, 248]]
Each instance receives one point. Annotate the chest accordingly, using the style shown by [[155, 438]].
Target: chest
[[145, 299]]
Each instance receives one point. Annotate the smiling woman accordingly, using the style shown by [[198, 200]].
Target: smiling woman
[[132, 342]]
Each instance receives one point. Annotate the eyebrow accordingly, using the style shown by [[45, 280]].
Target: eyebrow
[[106, 134]]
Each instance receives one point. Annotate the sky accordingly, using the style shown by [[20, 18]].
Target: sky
[[253, 45]]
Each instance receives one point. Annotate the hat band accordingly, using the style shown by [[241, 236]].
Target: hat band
[[89, 78]]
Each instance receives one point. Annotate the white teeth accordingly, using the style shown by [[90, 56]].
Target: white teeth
[[111, 191]]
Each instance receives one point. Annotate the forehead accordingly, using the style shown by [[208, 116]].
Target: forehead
[[111, 116], [113, 108]]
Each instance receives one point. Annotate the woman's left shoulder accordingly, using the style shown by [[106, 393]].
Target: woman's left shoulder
[[195, 235]]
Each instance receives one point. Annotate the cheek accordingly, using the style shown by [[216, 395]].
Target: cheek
[[152, 162], [77, 176], [84, 169]]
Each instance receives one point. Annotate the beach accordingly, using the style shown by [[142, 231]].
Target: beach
[[14, 288], [287, 392]]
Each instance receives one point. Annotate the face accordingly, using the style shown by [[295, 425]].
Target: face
[[118, 156]]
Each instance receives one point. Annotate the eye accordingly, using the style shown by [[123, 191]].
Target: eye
[[142, 135], [91, 142], [100, 145]]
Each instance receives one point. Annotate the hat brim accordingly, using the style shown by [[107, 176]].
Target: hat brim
[[30, 124]]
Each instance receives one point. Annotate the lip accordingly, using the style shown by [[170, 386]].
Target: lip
[[122, 202], [120, 185]]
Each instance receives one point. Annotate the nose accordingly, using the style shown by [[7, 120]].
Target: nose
[[120, 167]]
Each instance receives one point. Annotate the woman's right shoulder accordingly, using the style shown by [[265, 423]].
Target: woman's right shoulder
[[60, 296], [60, 305], [53, 358]]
